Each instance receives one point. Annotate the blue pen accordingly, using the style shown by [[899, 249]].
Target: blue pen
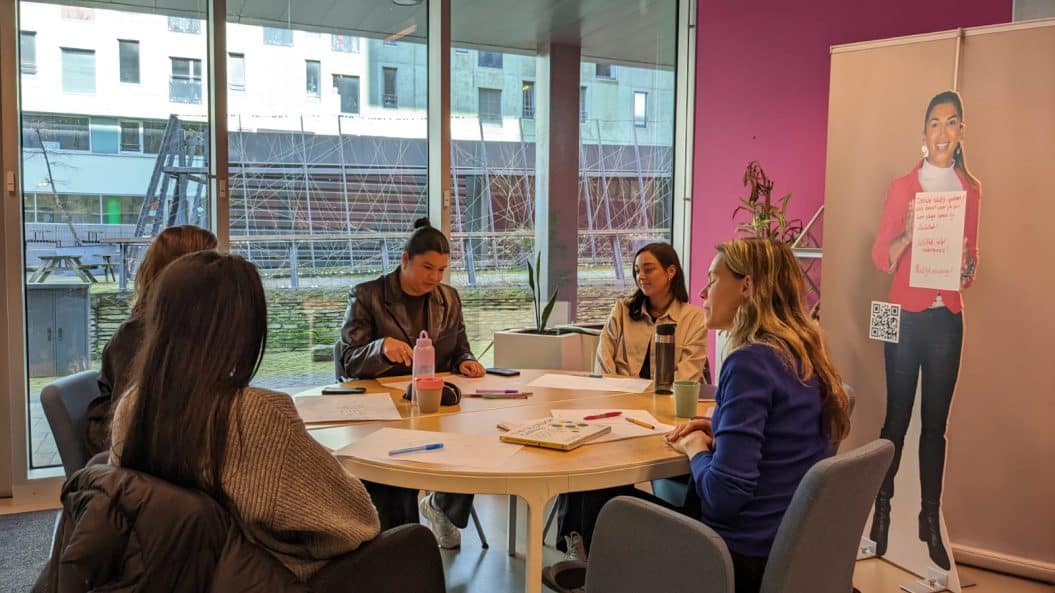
[[428, 447]]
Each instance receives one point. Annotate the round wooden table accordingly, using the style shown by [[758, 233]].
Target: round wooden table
[[534, 474]]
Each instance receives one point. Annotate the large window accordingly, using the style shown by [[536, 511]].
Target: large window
[[95, 119], [327, 174], [128, 60], [78, 70], [185, 83]]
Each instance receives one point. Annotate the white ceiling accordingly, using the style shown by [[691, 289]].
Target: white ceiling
[[619, 31]]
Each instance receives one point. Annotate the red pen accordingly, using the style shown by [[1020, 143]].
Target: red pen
[[599, 416]]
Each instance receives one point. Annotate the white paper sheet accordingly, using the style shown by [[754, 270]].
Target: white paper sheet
[[937, 239], [460, 450], [468, 385], [583, 383], [346, 408]]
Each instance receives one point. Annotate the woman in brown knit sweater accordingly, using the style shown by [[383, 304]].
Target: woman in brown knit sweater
[[191, 418]]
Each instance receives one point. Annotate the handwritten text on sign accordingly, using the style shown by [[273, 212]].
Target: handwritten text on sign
[[937, 239]]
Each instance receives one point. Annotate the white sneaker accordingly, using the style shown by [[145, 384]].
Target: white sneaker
[[576, 550], [447, 535]]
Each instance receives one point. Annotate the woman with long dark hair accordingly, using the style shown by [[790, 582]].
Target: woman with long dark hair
[[191, 418], [661, 297], [931, 324], [121, 350]]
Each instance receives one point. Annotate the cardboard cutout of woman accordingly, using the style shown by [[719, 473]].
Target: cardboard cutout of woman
[[931, 324]]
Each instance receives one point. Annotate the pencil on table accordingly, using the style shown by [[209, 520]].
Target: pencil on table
[[633, 420]]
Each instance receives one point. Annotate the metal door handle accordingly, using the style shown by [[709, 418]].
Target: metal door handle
[[60, 334], [49, 334]]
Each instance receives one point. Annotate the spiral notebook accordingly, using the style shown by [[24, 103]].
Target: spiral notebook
[[556, 434]]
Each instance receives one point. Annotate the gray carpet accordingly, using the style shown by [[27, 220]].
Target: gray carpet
[[25, 542]]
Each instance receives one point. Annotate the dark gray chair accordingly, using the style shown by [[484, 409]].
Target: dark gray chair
[[815, 548], [639, 546], [816, 545], [65, 404]]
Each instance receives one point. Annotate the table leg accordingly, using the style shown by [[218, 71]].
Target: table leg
[[536, 507], [511, 531]]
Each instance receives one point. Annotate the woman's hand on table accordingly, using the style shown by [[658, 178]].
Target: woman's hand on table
[[471, 368], [696, 425], [693, 443]]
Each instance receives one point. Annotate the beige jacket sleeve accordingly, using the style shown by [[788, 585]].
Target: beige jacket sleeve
[[692, 351], [604, 360]]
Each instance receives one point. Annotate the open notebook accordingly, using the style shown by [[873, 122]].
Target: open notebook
[[554, 433]]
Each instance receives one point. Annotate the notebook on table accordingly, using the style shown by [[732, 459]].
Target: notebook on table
[[556, 434]]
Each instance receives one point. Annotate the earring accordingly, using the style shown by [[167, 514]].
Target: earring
[[925, 151]]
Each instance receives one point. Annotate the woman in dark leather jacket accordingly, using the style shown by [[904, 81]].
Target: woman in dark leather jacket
[[384, 317]]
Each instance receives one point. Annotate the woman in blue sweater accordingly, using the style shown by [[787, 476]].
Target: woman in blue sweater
[[780, 403]]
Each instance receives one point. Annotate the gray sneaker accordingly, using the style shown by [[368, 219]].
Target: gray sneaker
[[447, 535], [576, 549]]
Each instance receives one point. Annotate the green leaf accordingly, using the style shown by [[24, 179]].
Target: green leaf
[[547, 311]]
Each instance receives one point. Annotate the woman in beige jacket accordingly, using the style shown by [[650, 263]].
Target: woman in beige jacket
[[661, 297]]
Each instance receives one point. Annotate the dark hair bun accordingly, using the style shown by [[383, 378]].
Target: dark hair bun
[[422, 222]]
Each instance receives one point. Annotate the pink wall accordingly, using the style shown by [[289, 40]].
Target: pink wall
[[762, 94]]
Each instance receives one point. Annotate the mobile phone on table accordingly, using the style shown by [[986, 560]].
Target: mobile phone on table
[[341, 390], [502, 372]]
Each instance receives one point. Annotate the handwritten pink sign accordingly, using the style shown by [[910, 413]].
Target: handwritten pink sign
[[937, 239]]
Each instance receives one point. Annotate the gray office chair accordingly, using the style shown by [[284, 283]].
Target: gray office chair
[[815, 547], [65, 404], [639, 546]]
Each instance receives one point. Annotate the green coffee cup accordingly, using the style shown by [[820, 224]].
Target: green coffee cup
[[686, 396]]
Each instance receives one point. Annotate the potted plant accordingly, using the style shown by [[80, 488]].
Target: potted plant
[[540, 347], [766, 218]]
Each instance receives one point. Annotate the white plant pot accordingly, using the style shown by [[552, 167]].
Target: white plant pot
[[519, 350]]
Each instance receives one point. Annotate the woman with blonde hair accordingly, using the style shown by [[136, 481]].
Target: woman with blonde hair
[[122, 348], [780, 403]]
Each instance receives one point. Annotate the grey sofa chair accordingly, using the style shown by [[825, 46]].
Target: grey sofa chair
[[638, 546], [65, 404]]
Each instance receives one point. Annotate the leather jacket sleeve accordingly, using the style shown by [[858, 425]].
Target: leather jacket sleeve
[[461, 352], [362, 357]]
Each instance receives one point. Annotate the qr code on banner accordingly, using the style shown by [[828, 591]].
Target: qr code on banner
[[885, 324]]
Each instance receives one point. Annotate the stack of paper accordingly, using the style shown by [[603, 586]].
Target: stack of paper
[[346, 408]]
